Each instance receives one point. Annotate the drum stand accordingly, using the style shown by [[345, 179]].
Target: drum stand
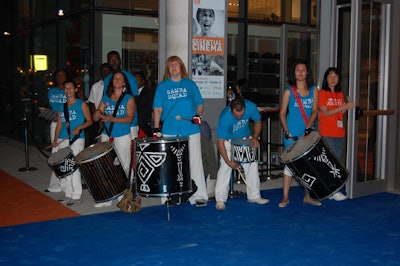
[[234, 193], [170, 203], [27, 168]]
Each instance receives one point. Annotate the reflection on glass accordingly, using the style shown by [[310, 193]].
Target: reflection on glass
[[367, 127]]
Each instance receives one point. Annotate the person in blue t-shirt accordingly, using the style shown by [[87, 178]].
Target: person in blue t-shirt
[[114, 60], [234, 123], [56, 97], [71, 128], [179, 105], [117, 129], [292, 120]]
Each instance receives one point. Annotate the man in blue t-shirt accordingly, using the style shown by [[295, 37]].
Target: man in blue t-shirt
[[234, 126]]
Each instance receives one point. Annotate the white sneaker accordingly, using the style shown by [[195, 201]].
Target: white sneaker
[[53, 189], [258, 201], [103, 204], [338, 196], [220, 205]]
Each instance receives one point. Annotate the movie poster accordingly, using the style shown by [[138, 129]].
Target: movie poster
[[208, 47]]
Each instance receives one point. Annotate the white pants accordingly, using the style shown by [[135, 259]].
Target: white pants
[[224, 177], [54, 181], [196, 169], [72, 184], [134, 132]]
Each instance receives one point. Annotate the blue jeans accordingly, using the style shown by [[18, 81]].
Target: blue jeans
[[336, 145]]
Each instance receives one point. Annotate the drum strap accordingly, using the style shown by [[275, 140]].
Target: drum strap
[[297, 97], [66, 116], [115, 113]]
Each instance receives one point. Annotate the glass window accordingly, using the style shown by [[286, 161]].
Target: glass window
[[264, 64], [148, 5], [44, 10], [38, 12], [140, 52], [68, 51], [232, 53], [233, 8], [269, 10]]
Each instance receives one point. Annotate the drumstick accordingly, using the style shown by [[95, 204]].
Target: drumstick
[[244, 179], [50, 146], [178, 117]]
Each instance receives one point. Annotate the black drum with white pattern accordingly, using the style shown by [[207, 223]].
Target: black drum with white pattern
[[62, 162], [315, 166], [162, 166], [243, 152]]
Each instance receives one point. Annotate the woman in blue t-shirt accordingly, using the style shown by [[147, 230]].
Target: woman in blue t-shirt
[[179, 105], [292, 120], [56, 97], [71, 128], [117, 129]]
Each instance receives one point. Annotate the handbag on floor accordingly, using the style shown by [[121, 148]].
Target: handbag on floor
[[129, 203]]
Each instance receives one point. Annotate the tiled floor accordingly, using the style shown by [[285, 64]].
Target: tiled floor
[[13, 158]]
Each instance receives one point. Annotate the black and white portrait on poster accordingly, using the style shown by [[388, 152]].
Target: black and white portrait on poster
[[208, 47]]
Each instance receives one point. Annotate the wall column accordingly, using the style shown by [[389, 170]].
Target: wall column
[[174, 32]]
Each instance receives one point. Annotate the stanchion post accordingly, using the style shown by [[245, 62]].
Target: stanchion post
[[27, 168]]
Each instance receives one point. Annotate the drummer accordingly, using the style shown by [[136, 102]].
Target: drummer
[[178, 103], [299, 110], [116, 110], [74, 117], [234, 122]]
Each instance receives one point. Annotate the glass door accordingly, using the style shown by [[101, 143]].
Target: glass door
[[298, 43], [362, 57]]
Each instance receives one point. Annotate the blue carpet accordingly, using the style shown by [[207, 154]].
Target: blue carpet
[[364, 231]]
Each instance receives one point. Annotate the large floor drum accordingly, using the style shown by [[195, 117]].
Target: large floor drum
[[315, 166], [162, 166], [102, 171]]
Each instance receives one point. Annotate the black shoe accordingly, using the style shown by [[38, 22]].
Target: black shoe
[[74, 202], [201, 203]]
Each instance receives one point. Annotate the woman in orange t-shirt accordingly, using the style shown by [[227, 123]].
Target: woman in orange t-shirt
[[332, 106]]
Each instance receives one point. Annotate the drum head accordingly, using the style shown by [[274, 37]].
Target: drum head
[[93, 152], [241, 142], [60, 155], [300, 148]]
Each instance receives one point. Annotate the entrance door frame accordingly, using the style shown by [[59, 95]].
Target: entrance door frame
[[379, 184]]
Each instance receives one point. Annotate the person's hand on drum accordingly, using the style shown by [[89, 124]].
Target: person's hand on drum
[[157, 133], [54, 143], [255, 142], [307, 131], [196, 119]]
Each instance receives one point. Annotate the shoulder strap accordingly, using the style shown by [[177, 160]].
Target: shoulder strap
[[66, 116], [115, 112], [67, 124], [303, 113]]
